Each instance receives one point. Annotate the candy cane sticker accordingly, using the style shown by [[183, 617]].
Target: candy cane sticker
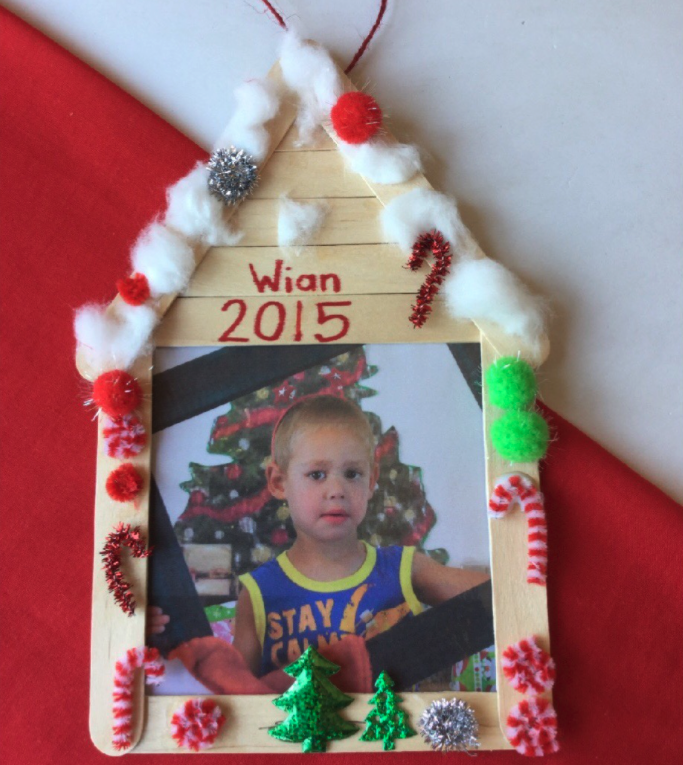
[[135, 658], [518, 487]]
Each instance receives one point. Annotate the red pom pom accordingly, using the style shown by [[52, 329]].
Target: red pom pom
[[356, 117], [116, 393], [124, 483], [134, 289]]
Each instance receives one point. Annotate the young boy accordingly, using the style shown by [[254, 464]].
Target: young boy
[[329, 583]]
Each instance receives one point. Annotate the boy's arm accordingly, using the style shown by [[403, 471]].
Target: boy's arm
[[246, 640], [434, 583]]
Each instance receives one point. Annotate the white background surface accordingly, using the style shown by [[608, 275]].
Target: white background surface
[[558, 125], [447, 443]]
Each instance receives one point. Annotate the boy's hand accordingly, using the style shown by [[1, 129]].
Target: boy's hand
[[156, 621]]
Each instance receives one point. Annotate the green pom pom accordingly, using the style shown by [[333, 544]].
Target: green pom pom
[[520, 436], [511, 383]]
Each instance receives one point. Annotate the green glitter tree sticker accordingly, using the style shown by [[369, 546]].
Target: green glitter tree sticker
[[312, 703], [386, 722]]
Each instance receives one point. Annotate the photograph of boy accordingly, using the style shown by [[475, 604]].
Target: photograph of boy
[[329, 584]]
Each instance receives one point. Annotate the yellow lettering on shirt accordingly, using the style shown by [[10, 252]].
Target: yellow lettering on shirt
[[275, 649], [289, 616], [325, 611], [306, 619], [323, 641], [274, 626]]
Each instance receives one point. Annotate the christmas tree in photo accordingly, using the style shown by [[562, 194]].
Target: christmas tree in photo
[[312, 704], [230, 507]]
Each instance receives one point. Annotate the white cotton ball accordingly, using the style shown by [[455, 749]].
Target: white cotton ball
[[196, 213], [113, 337], [485, 290], [308, 68], [299, 221], [165, 258], [257, 102], [419, 211], [310, 71], [381, 162]]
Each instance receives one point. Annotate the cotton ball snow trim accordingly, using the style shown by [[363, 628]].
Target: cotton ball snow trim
[[419, 211], [196, 213], [113, 337], [257, 103], [165, 258], [486, 291], [312, 74], [298, 221], [381, 162]]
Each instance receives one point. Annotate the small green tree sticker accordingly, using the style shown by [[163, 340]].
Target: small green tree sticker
[[386, 722], [312, 703]]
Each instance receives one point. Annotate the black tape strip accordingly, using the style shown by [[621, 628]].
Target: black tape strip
[[418, 647]]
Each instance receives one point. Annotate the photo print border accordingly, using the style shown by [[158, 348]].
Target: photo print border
[[414, 649]]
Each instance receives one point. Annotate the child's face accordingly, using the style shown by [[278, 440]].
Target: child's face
[[328, 482]]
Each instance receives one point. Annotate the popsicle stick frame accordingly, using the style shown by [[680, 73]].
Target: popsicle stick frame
[[347, 287]]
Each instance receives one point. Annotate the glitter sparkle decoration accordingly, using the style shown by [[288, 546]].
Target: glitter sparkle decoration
[[233, 174], [450, 725], [122, 536], [434, 242], [311, 704]]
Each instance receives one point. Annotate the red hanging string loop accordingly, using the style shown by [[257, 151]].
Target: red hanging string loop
[[382, 10], [371, 34], [440, 248], [277, 16]]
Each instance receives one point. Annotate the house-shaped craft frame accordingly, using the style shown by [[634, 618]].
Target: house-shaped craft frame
[[368, 301]]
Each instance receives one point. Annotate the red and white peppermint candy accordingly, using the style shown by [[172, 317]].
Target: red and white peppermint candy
[[135, 658], [124, 436], [532, 727], [197, 723], [518, 487], [528, 668]]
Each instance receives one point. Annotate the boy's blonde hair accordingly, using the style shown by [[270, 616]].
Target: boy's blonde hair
[[319, 410]]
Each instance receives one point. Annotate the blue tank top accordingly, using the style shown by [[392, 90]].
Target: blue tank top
[[292, 611]]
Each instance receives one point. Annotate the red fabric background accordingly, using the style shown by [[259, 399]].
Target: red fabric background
[[84, 168]]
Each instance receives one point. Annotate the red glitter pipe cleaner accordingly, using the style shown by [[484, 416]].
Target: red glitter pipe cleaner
[[434, 242], [364, 44], [122, 536]]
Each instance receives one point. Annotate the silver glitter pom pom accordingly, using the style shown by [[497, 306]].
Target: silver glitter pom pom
[[232, 175], [450, 725]]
